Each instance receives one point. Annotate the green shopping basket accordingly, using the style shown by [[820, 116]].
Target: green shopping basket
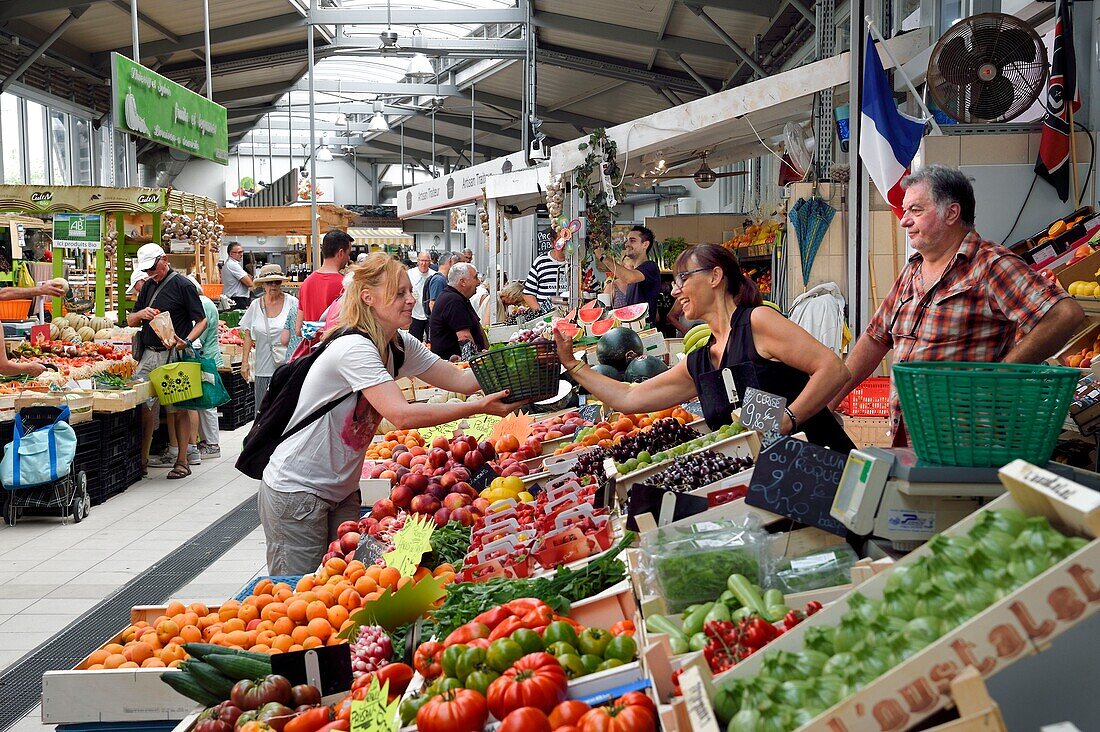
[[177, 381], [984, 414]]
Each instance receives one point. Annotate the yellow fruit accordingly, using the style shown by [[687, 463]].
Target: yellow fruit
[[513, 484], [525, 497]]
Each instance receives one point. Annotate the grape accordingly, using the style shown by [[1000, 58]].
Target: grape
[[690, 472]]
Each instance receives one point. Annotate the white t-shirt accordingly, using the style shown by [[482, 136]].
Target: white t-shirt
[[266, 331], [232, 272], [479, 302], [417, 278], [326, 458]]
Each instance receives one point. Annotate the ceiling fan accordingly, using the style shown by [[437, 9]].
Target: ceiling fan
[[704, 177]]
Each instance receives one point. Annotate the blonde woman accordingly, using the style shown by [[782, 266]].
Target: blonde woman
[[311, 483], [510, 296]]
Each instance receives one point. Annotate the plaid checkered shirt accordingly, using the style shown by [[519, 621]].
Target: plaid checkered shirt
[[986, 300]]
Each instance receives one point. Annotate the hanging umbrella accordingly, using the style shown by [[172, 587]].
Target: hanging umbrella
[[810, 219]]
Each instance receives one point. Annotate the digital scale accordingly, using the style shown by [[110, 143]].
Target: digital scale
[[893, 496]]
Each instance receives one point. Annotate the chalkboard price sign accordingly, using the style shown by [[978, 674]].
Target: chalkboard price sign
[[591, 412], [798, 480], [483, 476], [762, 412]]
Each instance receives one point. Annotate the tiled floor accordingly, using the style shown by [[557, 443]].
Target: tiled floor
[[51, 574]]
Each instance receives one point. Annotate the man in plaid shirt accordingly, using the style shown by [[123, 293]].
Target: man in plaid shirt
[[960, 298]]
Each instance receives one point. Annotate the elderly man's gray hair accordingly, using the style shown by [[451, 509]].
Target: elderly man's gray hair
[[458, 271], [946, 185]]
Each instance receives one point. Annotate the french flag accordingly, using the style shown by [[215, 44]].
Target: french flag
[[888, 139]]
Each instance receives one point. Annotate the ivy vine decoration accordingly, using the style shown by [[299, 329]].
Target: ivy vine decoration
[[599, 166]]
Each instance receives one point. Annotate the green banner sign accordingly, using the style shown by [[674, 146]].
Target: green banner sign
[[150, 106], [78, 231]]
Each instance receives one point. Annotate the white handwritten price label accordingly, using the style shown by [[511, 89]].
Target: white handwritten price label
[[699, 708], [763, 412]]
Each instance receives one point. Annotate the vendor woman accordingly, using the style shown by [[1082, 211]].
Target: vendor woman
[[750, 346]]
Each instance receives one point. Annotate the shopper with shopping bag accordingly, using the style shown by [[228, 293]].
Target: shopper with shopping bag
[[265, 325]]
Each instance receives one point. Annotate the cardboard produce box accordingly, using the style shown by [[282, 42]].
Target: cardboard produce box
[[1021, 623], [79, 403]]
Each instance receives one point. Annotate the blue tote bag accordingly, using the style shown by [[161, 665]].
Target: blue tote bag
[[40, 456]]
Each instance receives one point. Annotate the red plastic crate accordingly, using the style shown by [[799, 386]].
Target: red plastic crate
[[869, 399]]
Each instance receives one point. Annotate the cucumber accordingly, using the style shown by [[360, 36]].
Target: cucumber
[[202, 650], [239, 667], [209, 678], [184, 683]]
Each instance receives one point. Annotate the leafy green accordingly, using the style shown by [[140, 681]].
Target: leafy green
[[688, 577], [449, 546], [467, 600]]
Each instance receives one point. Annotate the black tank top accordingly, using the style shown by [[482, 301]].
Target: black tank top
[[748, 368]]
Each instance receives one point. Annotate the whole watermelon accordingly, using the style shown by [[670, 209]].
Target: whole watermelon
[[644, 367], [618, 347], [614, 373]]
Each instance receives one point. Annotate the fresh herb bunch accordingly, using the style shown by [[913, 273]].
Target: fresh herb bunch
[[467, 600], [449, 546], [700, 575], [111, 381], [600, 217]]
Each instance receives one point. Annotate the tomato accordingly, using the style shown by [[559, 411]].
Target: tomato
[[568, 712], [525, 719], [426, 660], [633, 712], [461, 710], [503, 653], [536, 681], [622, 648], [398, 675], [560, 632], [275, 715], [594, 641], [253, 726], [528, 640], [449, 659], [310, 721], [623, 627], [248, 694], [304, 695]]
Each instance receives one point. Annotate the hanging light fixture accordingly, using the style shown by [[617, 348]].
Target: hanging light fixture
[[378, 122], [420, 66], [324, 155]]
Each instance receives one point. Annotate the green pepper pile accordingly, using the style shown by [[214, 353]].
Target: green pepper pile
[[923, 600]]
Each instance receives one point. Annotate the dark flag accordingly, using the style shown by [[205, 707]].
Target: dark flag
[[1054, 159]]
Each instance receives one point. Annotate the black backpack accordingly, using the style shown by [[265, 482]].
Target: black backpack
[[270, 428]]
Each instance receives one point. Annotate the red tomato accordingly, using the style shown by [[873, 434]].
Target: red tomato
[[398, 674], [459, 710], [536, 680], [623, 627], [633, 712], [525, 719], [567, 713]]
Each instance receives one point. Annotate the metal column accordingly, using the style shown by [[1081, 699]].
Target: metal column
[[315, 229], [824, 123], [857, 200]]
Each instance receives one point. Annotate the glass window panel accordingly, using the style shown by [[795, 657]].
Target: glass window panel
[[59, 149], [37, 169], [12, 138], [82, 152]]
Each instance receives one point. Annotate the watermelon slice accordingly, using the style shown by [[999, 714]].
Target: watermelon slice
[[588, 316], [571, 316], [567, 329], [631, 313], [602, 326]]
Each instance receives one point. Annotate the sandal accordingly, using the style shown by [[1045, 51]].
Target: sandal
[[178, 471]]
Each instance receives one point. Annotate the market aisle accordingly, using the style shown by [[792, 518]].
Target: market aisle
[[52, 573]]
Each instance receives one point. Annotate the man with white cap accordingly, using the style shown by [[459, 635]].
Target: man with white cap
[[168, 292]]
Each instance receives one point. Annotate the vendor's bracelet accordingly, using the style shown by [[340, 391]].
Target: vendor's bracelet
[[794, 420], [575, 367]]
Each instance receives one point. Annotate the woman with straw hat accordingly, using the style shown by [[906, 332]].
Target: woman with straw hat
[[265, 324]]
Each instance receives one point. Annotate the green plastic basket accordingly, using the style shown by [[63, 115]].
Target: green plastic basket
[[984, 414]]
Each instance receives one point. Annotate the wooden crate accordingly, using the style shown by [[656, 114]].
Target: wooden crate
[[1023, 621], [112, 695], [868, 431], [79, 403], [115, 400], [745, 443]]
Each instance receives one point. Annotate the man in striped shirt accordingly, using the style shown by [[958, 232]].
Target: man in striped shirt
[[545, 279]]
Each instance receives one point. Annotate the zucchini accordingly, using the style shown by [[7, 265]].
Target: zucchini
[[184, 683], [239, 667], [209, 678], [202, 650]]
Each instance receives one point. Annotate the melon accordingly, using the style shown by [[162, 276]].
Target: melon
[[567, 329], [614, 373], [570, 316], [104, 334], [631, 313], [61, 321], [86, 333], [601, 327], [644, 367], [590, 315], [618, 347]]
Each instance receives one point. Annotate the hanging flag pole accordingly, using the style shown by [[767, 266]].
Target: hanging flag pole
[[1063, 97], [1073, 153], [905, 77]]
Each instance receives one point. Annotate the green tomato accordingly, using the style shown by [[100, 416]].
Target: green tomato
[[591, 663], [622, 648], [609, 663], [503, 652], [561, 648], [448, 683], [472, 660], [450, 658], [594, 641], [479, 681], [559, 630], [528, 640], [572, 664], [410, 706]]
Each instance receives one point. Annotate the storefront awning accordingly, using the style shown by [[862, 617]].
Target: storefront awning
[[381, 238]]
